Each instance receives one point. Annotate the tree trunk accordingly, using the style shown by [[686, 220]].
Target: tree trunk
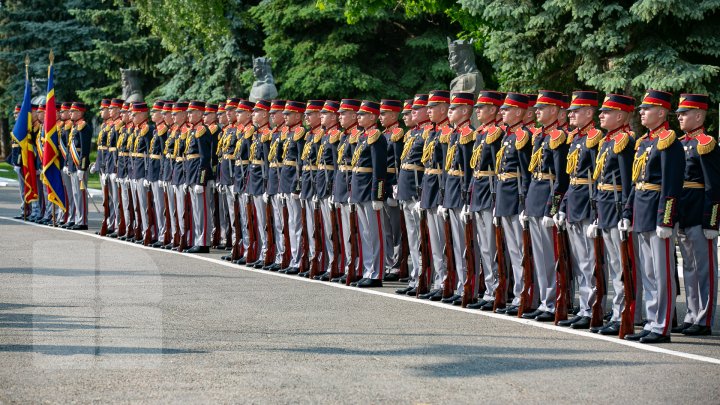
[[4, 138]]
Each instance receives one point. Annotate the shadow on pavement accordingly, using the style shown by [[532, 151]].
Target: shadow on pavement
[[49, 323], [68, 350]]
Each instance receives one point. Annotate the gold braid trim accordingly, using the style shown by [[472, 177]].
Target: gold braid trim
[[638, 165], [535, 159], [572, 161]]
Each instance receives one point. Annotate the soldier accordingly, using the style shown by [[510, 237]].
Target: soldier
[[258, 172], [409, 182], [530, 114], [240, 155], [563, 114], [433, 160], [700, 202], [198, 177], [341, 187], [154, 173], [488, 141], [15, 159], [142, 133], [102, 156], [226, 171], [368, 192], [308, 159], [389, 113], [290, 179], [111, 159], [37, 206], [575, 208], [210, 120], [513, 176], [613, 174], [222, 205], [122, 171], [79, 144], [653, 208], [180, 134], [327, 165], [275, 159], [39, 145]]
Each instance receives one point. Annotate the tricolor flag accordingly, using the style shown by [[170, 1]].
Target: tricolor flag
[[50, 157], [22, 132]]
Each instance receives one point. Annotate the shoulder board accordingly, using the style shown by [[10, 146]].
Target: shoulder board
[[445, 132], [213, 128], [80, 125], [118, 125], [283, 133], [467, 135], [665, 139], [557, 138], [298, 133], [248, 131], [161, 129], [317, 136], [594, 136], [184, 129], [373, 135], [68, 125], [200, 131], [493, 133], [622, 140], [639, 141], [144, 129], [333, 136], [705, 143], [396, 134], [535, 130], [521, 138]]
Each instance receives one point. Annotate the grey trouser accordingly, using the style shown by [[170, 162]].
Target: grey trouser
[[327, 211], [513, 240], [279, 227], [457, 229], [70, 206], [700, 272], [159, 208], [544, 261], [140, 201], [295, 225], [172, 207], [345, 234], [412, 226], [310, 221], [372, 242], [658, 266], [391, 228], [80, 197], [230, 204], [436, 232], [242, 205], [201, 214], [261, 221], [485, 233], [180, 208], [582, 257], [224, 213], [611, 239]]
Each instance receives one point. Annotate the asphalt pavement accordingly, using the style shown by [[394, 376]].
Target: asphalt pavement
[[89, 319]]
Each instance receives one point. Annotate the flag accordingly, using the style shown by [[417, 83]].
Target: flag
[[22, 132], [50, 157]]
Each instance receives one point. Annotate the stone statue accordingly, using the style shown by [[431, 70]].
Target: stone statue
[[131, 90], [263, 87], [38, 90], [462, 62]]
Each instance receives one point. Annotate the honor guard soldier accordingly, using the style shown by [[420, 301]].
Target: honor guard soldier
[[368, 192], [455, 204], [488, 141], [115, 125], [530, 114], [274, 157], [226, 173], [547, 188], [39, 147], [210, 120], [240, 155], [168, 161], [575, 209], [290, 179], [341, 188], [409, 183], [154, 173], [198, 177], [613, 177], [79, 144], [16, 161], [142, 135], [308, 160], [101, 157], [563, 114], [653, 206], [326, 167], [38, 210], [433, 160], [122, 171], [513, 177], [180, 134], [258, 172], [389, 113], [699, 215]]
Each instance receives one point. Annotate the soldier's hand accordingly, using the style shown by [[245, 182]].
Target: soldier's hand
[[199, 189], [332, 200], [377, 205], [66, 170], [394, 192], [93, 168], [591, 231], [113, 177], [559, 219], [295, 195], [523, 219], [547, 222], [185, 188], [81, 174], [624, 225], [465, 214], [102, 178], [663, 232], [442, 211], [710, 233], [146, 183], [496, 221], [232, 188], [266, 198]]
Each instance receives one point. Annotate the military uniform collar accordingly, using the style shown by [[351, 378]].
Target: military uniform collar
[[315, 128], [655, 132], [370, 128], [347, 130], [392, 126], [528, 123], [333, 126], [465, 123], [291, 128], [546, 129], [419, 125], [584, 130], [695, 132]]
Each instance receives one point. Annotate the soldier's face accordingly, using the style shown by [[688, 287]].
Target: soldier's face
[[512, 115], [438, 112], [168, 117], [419, 115], [74, 115], [222, 119], [195, 116], [580, 117], [347, 118], [312, 119], [104, 113], [328, 119], [243, 117], [277, 119], [231, 115], [260, 117], [691, 120], [408, 119], [209, 118], [114, 112], [546, 114], [139, 117], [486, 113], [612, 119], [292, 118], [180, 117], [157, 116], [388, 118], [652, 117], [366, 120], [458, 114]]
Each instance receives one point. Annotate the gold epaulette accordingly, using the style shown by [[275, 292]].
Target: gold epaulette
[[184, 130], [639, 141], [622, 140], [249, 131], [594, 136], [557, 138], [493, 133], [144, 129], [213, 128], [298, 133], [521, 138], [161, 129], [373, 135], [200, 131], [265, 135], [467, 135], [284, 133], [705, 143], [68, 125], [317, 135], [396, 135], [80, 125], [665, 139], [445, 133]]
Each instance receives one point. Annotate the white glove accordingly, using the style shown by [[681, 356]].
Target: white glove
[[591, 230], [417, 207], [102, 178], [559, 219], [232, 188], [377, 205], [442, 211], [663, 232], [338, 205], [219, 187], [315, 199], [81, 174], [113, 176], [199, 189], [547, 222], [523, 219], [185, 188], [295, 195], [348, 201], [332, 200], [93, 168], [66, 170], [496, 221], [266, 198], [710, 233], [465, 214], [394, 192], [624, 225], [391, 202], [146, 183]]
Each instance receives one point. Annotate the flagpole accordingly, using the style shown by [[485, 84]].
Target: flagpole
[[27, 77]]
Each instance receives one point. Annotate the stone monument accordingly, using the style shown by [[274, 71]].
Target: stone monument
[[263, 87], [131, 90]]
